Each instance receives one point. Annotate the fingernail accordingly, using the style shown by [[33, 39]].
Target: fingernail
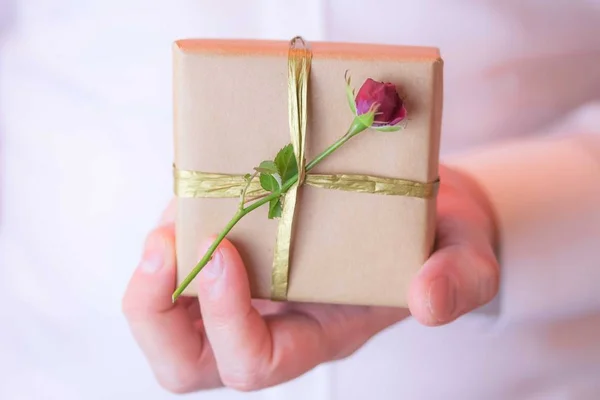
[[153, 258], [214, 268], [442, 299]]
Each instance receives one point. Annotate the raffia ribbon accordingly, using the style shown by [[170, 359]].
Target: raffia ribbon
[[197, 184]]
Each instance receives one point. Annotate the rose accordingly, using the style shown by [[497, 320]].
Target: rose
[[377, 105], [390, 108]]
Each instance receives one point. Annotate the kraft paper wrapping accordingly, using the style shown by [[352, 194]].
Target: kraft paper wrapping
[[349, 248]]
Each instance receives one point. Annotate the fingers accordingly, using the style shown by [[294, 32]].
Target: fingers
[[463, 273], [175, 349], [247, 351], [254, 352], [239, 336]]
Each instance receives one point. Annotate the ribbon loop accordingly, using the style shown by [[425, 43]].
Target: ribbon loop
[[299, 63]]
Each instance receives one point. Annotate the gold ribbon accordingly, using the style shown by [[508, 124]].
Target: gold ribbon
[[213, 185], [299, 59], [208, 185]]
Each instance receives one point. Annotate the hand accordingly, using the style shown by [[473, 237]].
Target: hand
[[225, 338]]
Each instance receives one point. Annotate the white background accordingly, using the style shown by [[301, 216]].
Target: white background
[[85, 107]]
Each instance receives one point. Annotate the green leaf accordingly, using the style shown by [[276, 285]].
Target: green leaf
[[275, 208], [267, 167], [286, 163], [268, 182], [247, 177], [350, 94]]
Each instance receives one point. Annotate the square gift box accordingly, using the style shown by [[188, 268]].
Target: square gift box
[[231, 112]]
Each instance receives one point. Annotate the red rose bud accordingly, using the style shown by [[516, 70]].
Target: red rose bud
[[390, 108]]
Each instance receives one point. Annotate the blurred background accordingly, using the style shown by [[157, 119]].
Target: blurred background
[[86, 149]]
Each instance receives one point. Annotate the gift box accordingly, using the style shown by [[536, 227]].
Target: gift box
[[231, 101]]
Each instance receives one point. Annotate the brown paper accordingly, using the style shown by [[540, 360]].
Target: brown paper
[[350, 248]]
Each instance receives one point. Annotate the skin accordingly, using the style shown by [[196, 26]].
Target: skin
[[224, 338]]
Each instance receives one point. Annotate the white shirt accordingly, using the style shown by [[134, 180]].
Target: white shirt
[[85, 103]]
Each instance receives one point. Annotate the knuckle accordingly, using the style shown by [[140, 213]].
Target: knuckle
[[489, 277], [479, 271], [225, 317], [135, 309], [246, 380], [166, 230], [491, 280], [127, 305], [132, 307], [177, 380], [174, 387]]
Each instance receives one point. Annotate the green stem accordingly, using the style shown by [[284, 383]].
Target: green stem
[[209, 253], [354, 130], [243, 197]]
